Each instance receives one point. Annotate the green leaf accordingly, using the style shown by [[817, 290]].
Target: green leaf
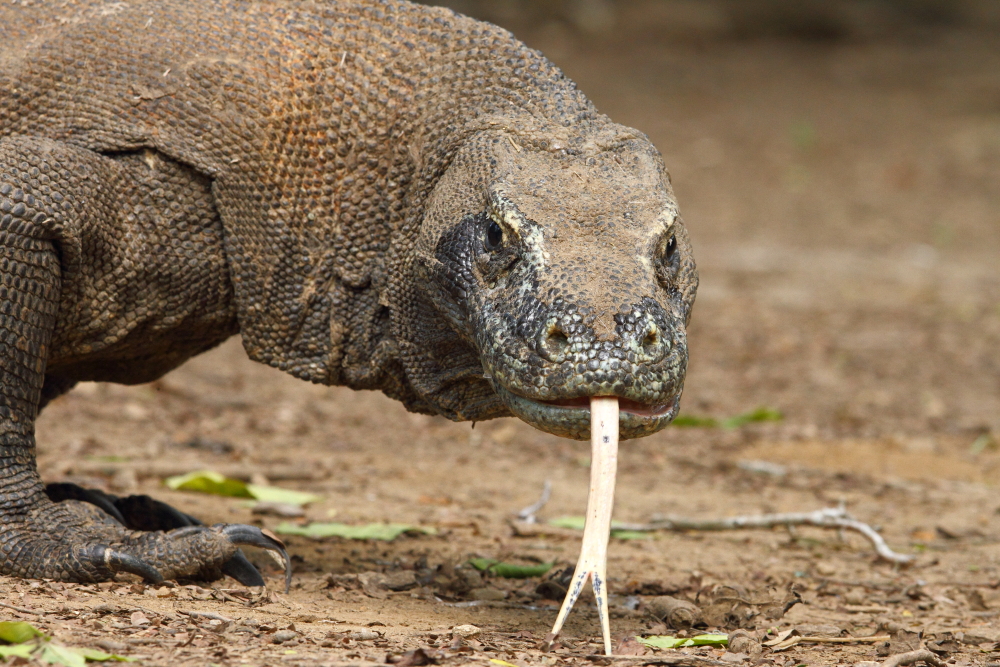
[[662, 641], [694, 421], [57, 654], [571, 522], [578, 522], [510, 570], [94, 655], [276, 494], [710, 640], [372, 531], [667, 641], [761, 414], [482, 564], [17, 650], [632, 534], [18, 632], [208, 481]]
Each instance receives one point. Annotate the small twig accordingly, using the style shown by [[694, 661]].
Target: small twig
[[21, 609], [164, 614], [210, 615], [527, 515], [793, 641], [829, 517], [671, 659], [911, 658], [226, 597]]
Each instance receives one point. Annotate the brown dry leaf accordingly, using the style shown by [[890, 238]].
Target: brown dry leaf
[[414, 658], [629, 645], [975, 599], [735, 607], [904, 641]]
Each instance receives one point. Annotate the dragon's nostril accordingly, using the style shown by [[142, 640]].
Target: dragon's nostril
[[654, 344], [554, 342], [557, 339], [652, 337]]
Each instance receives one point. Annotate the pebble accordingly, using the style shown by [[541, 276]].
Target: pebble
[[465, 631], [282, 636]]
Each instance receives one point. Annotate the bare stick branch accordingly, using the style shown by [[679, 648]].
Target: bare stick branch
[[21, 609], [829, 517], [911, 658], [527, 515]]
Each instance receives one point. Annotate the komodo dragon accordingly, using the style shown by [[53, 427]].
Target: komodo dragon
[[372, 193]]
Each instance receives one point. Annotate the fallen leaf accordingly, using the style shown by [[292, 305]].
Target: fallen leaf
[[578, 522], [630, 646], [371, 531], [694, 421], [510, 570], [94, 655], [56, 654], [18, 632], [414, 658], [761, 414], [17, 650], [208, 481], [667, 641]]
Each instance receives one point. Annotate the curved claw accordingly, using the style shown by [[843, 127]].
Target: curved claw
[[242, 570], [252, 536], [119, 561]]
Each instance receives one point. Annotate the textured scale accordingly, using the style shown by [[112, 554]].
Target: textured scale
[[318, 177]]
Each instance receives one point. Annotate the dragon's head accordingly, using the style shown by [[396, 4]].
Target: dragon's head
[[562, 265]]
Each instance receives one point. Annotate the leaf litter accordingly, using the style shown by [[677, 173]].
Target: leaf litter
[[24, 640]]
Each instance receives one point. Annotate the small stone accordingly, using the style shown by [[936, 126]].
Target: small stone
[[282, 636], [465, 631], [110, 646], [401, 580]]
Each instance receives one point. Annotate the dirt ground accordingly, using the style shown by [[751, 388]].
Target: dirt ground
[[843, 197]]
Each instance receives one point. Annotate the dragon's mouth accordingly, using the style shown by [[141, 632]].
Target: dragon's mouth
[[624, 405], [570, 417]]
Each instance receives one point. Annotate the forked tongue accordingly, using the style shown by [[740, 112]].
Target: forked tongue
[[593, 561]]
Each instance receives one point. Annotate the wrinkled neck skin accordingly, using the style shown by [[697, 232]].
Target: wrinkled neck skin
[[550, 266]]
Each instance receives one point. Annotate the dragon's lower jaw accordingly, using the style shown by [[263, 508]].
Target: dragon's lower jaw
[[570, 418]]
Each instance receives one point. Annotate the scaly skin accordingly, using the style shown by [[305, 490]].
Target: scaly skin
[[375, 194]]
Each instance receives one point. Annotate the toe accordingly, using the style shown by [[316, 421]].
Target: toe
[[100, 556], [244, 535]]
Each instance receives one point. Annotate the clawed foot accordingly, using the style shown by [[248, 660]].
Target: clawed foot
[[82, 535]]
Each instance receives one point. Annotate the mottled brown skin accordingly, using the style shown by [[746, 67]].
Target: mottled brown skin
[[375, 194]]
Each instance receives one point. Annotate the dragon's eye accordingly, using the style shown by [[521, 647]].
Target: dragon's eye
[[494, 236], [670, 249]]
